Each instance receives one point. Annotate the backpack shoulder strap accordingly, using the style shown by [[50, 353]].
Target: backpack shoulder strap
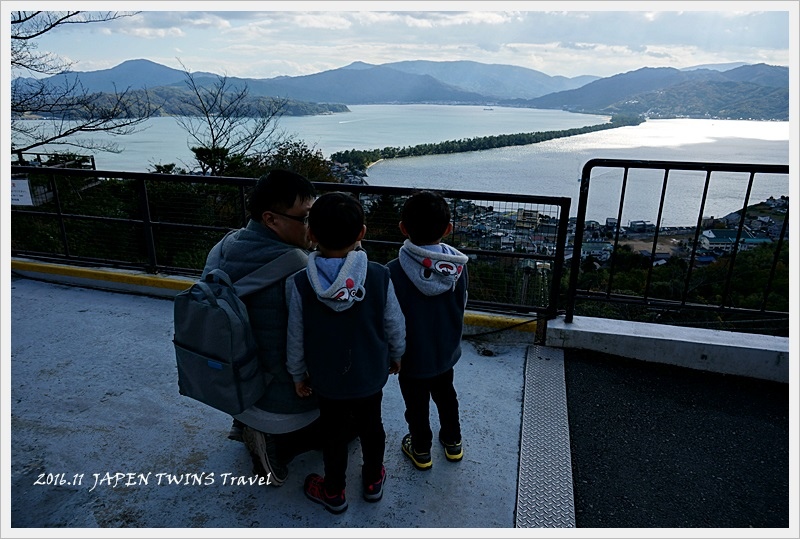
[[283, 266]]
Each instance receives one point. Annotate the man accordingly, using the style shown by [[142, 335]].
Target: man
[[280, 425]]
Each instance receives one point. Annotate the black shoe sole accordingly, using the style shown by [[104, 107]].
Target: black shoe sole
[[373, 500], [326, 506]]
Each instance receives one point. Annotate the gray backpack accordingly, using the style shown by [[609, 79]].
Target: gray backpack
[[215, 349]]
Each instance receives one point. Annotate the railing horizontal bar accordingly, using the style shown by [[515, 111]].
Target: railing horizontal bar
[[486, 236], [671, 305], [687, 165]]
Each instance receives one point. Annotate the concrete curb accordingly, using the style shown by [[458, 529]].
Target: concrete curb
[[490, 326], [743, 354], [106, 278]]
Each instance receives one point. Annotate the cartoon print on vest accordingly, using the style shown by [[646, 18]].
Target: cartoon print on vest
[[442, 267], [349, 292]]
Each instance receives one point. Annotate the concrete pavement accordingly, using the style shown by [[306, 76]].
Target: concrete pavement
[[93, 390], [95, 395]]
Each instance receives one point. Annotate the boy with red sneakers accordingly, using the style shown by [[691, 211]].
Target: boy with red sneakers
[[346, 333]]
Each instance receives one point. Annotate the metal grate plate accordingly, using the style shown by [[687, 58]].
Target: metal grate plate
[[545, 498]]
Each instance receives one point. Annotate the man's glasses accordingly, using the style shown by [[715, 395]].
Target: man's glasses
[[299, 219]]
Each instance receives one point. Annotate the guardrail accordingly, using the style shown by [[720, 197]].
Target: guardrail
[[163, 223], [528, 255], [699, 289], [66, 160]]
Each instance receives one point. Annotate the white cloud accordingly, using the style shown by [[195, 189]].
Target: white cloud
[[329, 21], [594, 41], [445, 19], [156, 33]]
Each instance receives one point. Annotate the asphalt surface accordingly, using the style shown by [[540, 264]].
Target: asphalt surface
[[94, 391], [657, 446]]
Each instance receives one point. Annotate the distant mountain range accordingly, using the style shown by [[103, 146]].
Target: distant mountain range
[[735, 91], [755, 91]]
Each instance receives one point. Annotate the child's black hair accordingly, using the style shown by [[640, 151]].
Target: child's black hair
[[336, 220], [425, 217]]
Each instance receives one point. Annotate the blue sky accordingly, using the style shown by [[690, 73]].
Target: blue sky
[[268, 39]]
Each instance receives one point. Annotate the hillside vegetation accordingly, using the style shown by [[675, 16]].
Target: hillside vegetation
[[759, 92]]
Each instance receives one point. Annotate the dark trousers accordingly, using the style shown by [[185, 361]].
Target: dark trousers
[[417, 394], [366, 414], [290, 444]]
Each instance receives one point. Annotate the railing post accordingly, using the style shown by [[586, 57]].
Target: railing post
[[697, 230], [243, 202], [614, 252], [558, 266], [61, 224], [654, 248], [148, 227], [775, 259], [526, 276], [577, 242], [735, 250]]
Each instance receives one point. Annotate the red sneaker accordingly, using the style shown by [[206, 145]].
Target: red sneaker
[[314, 487], [373, 492]]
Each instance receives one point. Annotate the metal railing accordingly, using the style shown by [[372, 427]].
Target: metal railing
[[39, 159], [706, 283], [528, 255], [162, 223]]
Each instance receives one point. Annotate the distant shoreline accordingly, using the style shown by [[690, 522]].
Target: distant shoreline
[[362, 159]]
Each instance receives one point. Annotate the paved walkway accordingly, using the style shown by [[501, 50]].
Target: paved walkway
[[95, 392]]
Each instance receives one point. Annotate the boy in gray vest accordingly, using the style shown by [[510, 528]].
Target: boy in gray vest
[[346, 333], [430, 280]]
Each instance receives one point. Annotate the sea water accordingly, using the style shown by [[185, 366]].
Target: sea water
[[550, 168], [553, 168]]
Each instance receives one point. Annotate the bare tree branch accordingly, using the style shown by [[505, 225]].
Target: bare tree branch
[[224, 122], [64, 108], [26, 26]]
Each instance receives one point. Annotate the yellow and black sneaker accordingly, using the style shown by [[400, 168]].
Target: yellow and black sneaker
[[452, 451], [421, 461]]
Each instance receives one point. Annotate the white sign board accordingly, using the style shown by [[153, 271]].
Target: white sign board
[[21, 192]]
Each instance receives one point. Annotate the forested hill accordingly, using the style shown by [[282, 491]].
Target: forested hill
[[758, 92], [171, 99]]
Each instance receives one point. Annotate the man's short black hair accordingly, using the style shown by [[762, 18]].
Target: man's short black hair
[[336, 220], [278, 191], [425, 217]]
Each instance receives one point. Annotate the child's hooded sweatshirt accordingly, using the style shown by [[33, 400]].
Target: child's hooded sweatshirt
[[345, 325], [431, 285]]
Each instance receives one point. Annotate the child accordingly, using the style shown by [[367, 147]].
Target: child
[[430, 280], [346, 334]]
